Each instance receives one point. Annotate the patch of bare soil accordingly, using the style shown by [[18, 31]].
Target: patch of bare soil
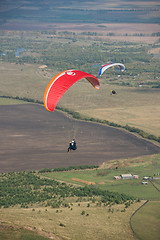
[[32, 138], [40, 233], [155, 50]]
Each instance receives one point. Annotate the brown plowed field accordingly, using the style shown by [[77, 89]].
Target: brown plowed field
[[32, 138]]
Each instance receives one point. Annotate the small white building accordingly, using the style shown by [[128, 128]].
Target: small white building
[[144, 183], [146, 178]]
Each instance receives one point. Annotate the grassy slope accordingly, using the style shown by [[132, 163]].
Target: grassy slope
[[99, 224], [68, 223], [13, 233], [143, 166]]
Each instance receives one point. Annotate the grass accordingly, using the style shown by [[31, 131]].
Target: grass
[[16, 233], [9, 101], [22, 80], [146, 222], [135, 188], [69, 223], [103, 177]]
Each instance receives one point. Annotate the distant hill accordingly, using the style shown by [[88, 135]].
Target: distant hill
[[78, 11]]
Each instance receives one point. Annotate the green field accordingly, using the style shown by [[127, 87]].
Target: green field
[[103, 178], [146, 221]]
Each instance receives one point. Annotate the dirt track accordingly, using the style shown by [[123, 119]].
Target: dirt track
[[32, 138]]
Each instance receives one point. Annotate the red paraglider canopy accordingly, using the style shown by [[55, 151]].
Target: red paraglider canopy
[[61, 83]]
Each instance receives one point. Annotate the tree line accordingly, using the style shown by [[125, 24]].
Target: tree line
[[27, 188], [61, 169]]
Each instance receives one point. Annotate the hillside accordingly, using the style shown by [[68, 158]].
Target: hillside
[[57, 207]]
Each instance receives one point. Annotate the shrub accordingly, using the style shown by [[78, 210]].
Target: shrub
[[61, 225], [83, 212]]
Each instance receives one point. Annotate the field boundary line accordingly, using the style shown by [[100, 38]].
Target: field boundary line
[[130, 220], [154, 185]]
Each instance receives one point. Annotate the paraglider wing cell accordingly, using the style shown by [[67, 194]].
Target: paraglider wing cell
[[106, 66], [61, 83]]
